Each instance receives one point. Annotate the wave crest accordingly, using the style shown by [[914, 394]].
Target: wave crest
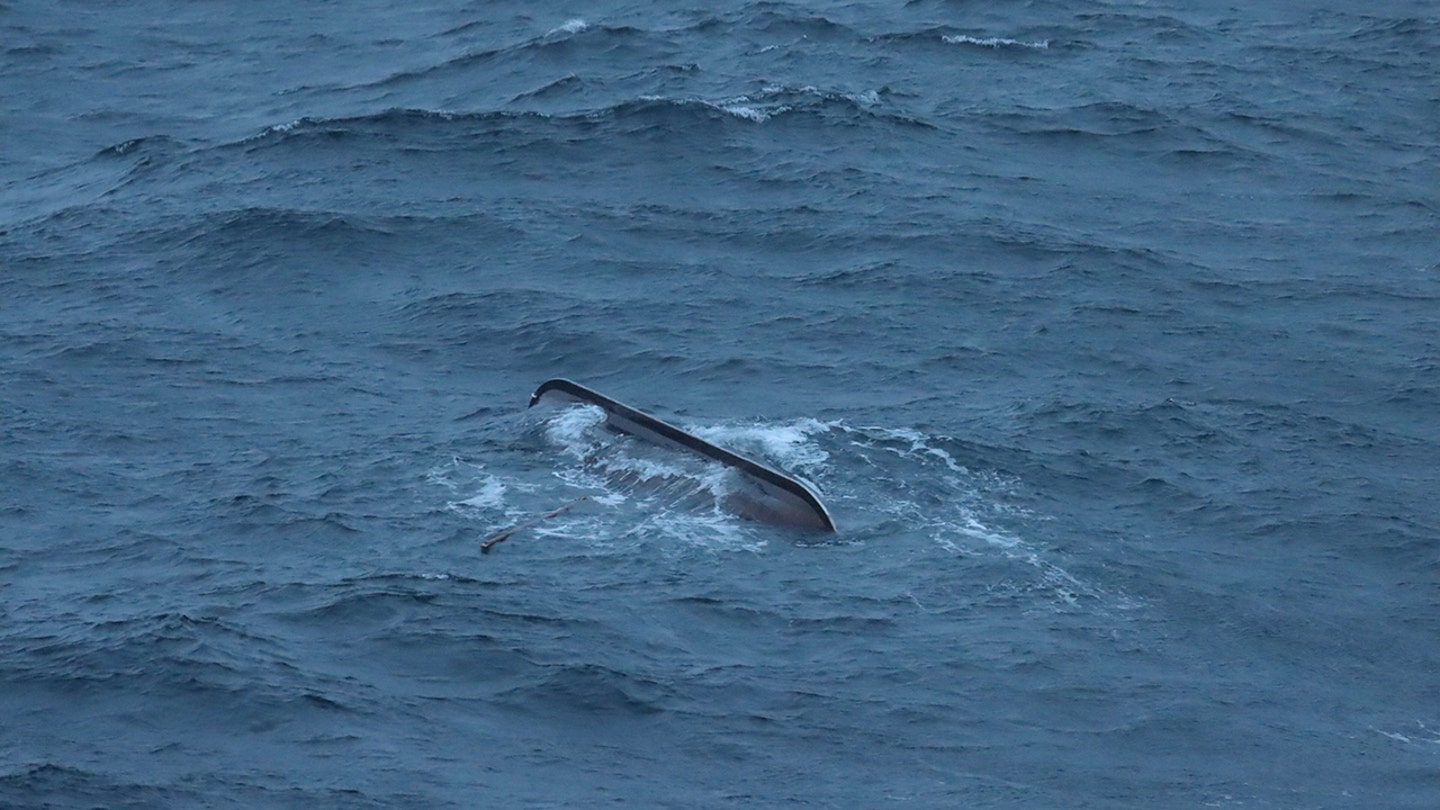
[[995, 43]]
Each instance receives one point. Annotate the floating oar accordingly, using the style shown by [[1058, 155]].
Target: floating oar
[[505, 535]]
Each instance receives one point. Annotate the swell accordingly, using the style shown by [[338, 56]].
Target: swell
[[572, 41], [48, 784], [760, 29], [588, 690], [967, 39], [1105, 119], [175, 655], [91, 181], [671, 116], [517, 327]]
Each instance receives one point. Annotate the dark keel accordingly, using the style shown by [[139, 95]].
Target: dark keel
[[768, 495]]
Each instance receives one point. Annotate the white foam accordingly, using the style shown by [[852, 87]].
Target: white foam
[[789, 445], [652, 494], [1059, 582], [457, 474], [766, 104], [970, 526], [748, 108], [668, 515], [965, 523], [591, 479], [995, 42], [460, 476], [918, 444], [748, 113], [1420, 735], [440, 476], [490, 496], [617, 469], [869, 98], [574, 26], [962, 514], [642, 468], [570, 428], [273, 129]]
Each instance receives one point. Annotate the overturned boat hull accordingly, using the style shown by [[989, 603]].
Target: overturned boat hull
[[765, 494]]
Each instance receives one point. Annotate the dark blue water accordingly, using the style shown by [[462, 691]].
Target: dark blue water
[[1109, 332]]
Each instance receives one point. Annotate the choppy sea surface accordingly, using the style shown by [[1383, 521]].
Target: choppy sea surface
[[1108, 331]]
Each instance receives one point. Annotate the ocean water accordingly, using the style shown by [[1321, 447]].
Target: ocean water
[[1108, 331]]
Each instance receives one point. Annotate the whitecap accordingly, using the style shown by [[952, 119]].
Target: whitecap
[[868, 98], [994, 42], [574, 26], [755, 114], [1419, 735]]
